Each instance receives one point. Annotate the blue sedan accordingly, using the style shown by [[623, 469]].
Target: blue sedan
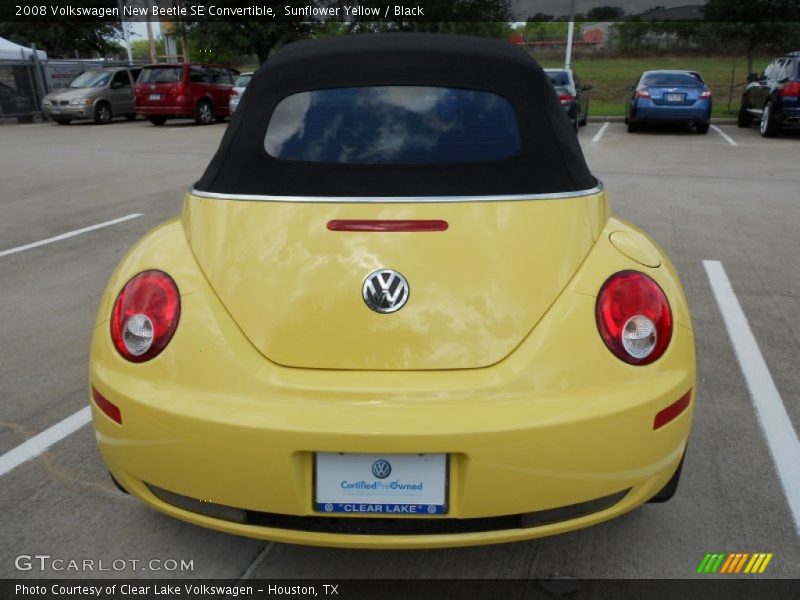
[[669, 96]]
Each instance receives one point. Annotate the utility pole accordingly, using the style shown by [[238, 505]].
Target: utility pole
[[150, 41], [570, 32], [125, 32]]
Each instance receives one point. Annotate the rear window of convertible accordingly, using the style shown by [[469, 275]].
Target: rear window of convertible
[[393, 125]]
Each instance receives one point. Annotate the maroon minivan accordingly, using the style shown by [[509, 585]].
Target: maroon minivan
[[192, 91]]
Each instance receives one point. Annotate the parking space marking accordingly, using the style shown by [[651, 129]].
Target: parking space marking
[[600, 133], [251, 568], [69, 234], [725, 136], [39, 443], [782, 440]]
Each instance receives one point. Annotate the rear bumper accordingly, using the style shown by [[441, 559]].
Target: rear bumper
[[165, 111], [648, 111], [543, 430], [791, 114], [572, 109]]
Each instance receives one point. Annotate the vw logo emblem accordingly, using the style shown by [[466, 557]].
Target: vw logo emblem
[[381, 468], [385, 291]]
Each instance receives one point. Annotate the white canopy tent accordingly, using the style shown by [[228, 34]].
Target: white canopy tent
[[11, 51]]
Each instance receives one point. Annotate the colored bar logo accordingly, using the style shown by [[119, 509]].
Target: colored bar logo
[[734, 563]]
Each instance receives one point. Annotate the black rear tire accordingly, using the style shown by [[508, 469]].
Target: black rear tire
[[585, 118], [770, 125], [632, 127], [118, 484], [668, 491], [157, 120], [62, 121], [745, 118], [131, 116], [702, 128], [204, 114]]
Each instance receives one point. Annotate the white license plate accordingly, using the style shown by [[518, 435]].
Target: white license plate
[[155, 96], [55, 109], [380, 484], [674, 97]]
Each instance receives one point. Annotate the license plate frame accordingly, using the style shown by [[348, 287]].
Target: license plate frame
[[431, 471], [155, 96], [674, 97]]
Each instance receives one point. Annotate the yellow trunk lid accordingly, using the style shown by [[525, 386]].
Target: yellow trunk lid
[[476, 290]]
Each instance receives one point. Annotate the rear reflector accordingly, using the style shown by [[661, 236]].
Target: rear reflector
[[111, 410], [387, 225], [672, 411]]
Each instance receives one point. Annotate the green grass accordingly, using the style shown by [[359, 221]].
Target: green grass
[[609, 76]]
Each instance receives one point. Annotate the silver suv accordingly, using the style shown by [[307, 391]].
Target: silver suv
[[99, 94]]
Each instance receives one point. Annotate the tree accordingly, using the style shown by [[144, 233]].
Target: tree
[[140, 49], [752, 25], [483, 18], [65, 37], [223, 41], [604, 13], [544, 29], [539, 17]]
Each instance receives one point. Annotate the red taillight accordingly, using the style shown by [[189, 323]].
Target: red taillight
[[566, 98], [643, 93], [791, 89], [111, 410], [705, 95], [672, 411], [634, 317], [145, 316]]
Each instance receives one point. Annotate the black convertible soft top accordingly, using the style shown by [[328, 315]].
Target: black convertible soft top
[[549, 159]]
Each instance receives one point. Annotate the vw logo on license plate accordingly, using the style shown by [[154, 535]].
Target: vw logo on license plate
[[381, 468]]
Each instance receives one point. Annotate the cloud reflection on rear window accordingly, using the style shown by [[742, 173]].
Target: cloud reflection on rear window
[[393, 125]]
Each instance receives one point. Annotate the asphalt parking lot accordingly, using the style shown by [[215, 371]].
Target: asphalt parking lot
[[728, 196]]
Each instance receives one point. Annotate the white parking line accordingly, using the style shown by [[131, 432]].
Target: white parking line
[[770, 410], [69, 234], [724, 135], [38, 444], [600, 133], [251, 568]]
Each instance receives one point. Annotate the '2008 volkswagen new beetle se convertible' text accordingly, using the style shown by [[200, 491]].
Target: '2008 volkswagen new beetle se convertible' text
[[395, 312]]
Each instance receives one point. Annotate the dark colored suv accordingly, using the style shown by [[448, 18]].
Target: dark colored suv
[[774, 96], [572, 95], [193, 91]]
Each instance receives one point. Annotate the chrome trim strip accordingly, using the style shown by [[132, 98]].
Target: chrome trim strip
[[398, 199]]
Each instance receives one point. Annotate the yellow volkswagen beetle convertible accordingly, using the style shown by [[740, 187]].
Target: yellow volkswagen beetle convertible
[[395, 313]]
